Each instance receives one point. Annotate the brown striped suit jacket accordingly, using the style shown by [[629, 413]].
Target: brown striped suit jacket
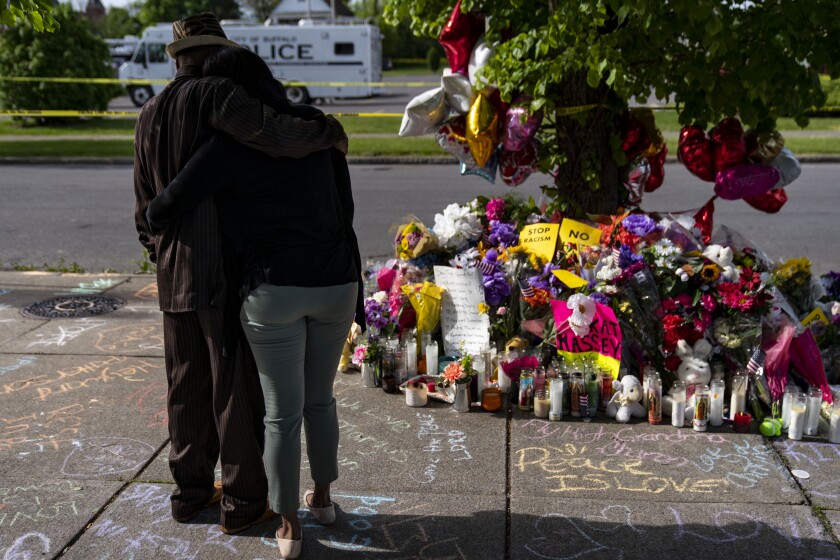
[[170, 128]]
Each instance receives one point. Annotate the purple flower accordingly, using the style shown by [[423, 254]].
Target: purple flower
[[639, 224], [626, 256], [377, 314], [548, 281], [503, 234], [496, 288], [598, 297]]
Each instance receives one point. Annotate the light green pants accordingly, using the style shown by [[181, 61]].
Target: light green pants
[[297, 335]]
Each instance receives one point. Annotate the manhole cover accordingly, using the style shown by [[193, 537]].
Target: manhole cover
[[63, 307]]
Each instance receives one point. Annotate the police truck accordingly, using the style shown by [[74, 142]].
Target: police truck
[[344, 56]]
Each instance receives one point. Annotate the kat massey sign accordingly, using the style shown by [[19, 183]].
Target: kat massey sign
[[603, 343]]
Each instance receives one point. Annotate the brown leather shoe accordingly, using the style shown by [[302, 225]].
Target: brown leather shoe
[[267, 515], [215, 498]]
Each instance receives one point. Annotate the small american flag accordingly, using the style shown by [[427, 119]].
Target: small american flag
[[584, 404], [526, 288], [486, 267], [616, 255], [756, 361]]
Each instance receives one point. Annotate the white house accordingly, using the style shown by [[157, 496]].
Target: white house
[[292, 11]]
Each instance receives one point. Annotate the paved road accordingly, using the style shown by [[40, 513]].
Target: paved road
[[84, 444], [83, 213]]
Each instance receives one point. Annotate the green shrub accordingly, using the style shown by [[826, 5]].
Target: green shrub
[[72, 51], [433, 59]]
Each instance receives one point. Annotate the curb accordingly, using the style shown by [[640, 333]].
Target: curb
[[360, 160]]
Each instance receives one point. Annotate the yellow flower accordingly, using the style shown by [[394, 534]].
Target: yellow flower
[[536, 261], [483, 308], [710, 272]]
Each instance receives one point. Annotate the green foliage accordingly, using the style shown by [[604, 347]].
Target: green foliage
[[157, 11], [261, 8], [144, 264], [72, 52], [36, 12], [433, 59], [118, 23], [713, 58], [62, 266]]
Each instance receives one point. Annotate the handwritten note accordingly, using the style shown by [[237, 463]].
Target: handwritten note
[[460, 320]]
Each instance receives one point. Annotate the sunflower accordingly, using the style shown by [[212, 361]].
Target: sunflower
[[710, 272]]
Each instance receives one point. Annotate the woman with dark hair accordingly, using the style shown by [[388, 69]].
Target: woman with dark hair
[[287, 226]]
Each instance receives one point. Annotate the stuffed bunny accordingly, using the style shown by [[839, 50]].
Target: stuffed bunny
[[722, 256], [625, 402], [694, 370]]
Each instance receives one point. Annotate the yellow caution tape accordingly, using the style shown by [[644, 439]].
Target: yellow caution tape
[[63, 113], [134, 82]]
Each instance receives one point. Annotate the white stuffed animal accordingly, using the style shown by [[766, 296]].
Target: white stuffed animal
[[625, 402], [722, 256], [694, 370]]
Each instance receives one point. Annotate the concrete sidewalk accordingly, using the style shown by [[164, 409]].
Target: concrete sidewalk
[[84, 475]]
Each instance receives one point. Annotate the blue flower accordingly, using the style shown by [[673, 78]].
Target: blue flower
[[639, 224]]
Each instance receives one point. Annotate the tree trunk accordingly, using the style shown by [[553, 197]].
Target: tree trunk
[[584, 138]]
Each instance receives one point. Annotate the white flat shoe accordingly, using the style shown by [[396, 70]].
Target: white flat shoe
[[324, 515], [290, 548]]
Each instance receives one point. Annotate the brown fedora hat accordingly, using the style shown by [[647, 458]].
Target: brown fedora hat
[[199, 30]]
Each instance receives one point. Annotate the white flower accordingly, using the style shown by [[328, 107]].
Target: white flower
[[457, 226], [583, 311], [606, 289], [608, 272], [835, 309], [467, 259], [380, 296]]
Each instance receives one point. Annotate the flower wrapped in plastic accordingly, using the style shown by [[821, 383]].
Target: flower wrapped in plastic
[[425, 298], [413, 240], [457, 226]]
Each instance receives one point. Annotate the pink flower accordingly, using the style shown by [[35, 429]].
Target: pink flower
[[359, 355], [454, 371], [708, 301], [495, 209], [501, 311]]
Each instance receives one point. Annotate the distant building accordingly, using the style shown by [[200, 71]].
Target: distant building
[[292, 11], [95, 11]]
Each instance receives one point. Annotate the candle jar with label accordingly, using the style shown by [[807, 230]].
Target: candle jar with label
[[678, 406], [526, 388], [812, 417], [716, 402], [593, 391], [606, 384], [542, 404], [576, 389], [701, 408], [654, 399], [647, 371]]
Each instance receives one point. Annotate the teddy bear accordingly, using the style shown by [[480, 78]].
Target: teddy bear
[[693, 370], [722, 256], [625, 403]]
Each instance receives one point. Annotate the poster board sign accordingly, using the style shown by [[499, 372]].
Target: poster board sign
[[579, 233], [540, 239], [460, 321], [602, 346]]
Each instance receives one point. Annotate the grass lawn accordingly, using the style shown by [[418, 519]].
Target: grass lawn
[[102, 127]]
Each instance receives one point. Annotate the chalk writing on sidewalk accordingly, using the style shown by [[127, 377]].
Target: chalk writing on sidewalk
[[19, 363], [66, 333], [28, 546], [106, 456], [149, 291], [42, 429], [95, 287], [136, 336], [37, 503]]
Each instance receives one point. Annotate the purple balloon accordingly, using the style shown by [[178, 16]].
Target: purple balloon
[[520, 128], [745, 181]]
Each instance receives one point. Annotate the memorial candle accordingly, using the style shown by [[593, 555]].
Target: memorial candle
[[556, 390], [541, 404], [716, 402], [701, 408], [678, 406], [432, 359], [812, 417], [738, 400], [787, 401], [798, 408], [834, 423]]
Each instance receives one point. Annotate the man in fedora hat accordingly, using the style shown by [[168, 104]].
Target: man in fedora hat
[[214, 402]]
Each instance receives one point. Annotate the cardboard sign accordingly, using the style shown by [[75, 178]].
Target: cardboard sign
[[815, 315], [571, 279], [601, 346], [463, 327], [581, 234], [540, 239]]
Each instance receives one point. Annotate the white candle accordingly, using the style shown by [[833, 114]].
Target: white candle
[[541, 405], [716, 402], [411, 357], [812, 417], [787, 401], [678, 404], [556, 390], [797, 417], [738, 400], [504, 380], [834, 424], [416, 396], [432, 359]]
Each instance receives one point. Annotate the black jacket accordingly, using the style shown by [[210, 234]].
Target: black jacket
[[285, 221]]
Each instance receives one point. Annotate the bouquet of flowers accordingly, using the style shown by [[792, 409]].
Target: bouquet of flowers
[[413, 240], [457, 372]]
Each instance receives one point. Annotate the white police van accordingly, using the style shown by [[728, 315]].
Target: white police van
[[346, 54]]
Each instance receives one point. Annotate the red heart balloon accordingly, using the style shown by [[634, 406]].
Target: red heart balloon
[[515, 167], [635, 139], [728, 143], [771, 202], [704, 220], [459, 36], [746, 181], [695, 151], [657, 170]]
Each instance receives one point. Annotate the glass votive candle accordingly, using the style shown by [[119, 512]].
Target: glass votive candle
[[834, 422], [654, 399], [556, 390], [738, 399], [416, 393], [701, 408], [812, 417], [678, 404], [542, 404], [505, 362], [741, 422], [798, 410], [576, 390], [432, 358], [787, 401], [716, 402]]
